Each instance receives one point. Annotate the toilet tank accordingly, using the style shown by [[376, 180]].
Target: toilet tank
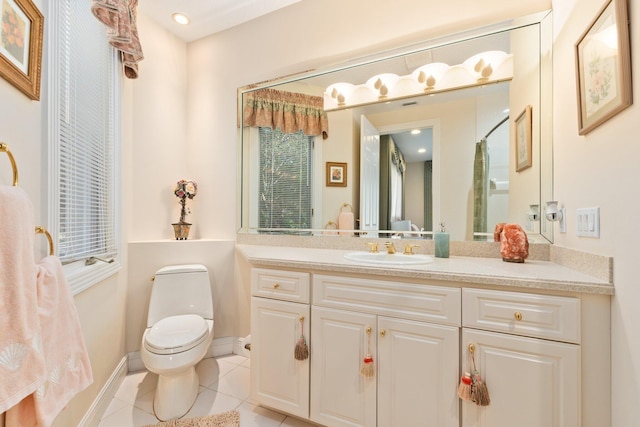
[[180, 289]]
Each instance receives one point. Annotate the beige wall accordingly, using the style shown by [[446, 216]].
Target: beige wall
[[600, 169]]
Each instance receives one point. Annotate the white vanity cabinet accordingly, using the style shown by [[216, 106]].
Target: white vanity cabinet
[[414, 342], [544, 354], [279, 300], [532, 382]]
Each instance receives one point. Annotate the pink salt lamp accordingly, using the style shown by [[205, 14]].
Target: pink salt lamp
[[514, 245]]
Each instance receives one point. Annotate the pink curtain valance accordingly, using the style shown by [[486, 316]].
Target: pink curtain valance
[[120, 18], [291, 112]]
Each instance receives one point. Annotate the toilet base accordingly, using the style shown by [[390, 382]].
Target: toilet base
[[175, 394]]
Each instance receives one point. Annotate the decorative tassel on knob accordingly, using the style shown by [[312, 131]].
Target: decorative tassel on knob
[[301, 351], [367, 370], [479, 391], [464, 388], [472, 387]]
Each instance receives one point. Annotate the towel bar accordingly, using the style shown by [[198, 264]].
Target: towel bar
[[41, 230], [4, 148]]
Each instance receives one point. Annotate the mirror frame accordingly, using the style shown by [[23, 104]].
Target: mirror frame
[[543, 19]]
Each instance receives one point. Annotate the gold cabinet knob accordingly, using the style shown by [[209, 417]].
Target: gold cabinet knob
[[276, 286], [517, 315], [383, 332]]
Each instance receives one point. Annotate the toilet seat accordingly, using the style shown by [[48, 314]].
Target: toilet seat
[[176, 334]]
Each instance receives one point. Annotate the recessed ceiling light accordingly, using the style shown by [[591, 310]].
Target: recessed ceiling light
[[180, 18], [422, 150], [415, 132]]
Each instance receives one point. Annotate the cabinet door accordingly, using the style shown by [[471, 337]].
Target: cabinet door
[[279, 380], [340, 395], [531, 382], [418, 374]]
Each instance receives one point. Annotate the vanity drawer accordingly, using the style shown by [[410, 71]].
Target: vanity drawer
[[416, 301], [543, 316], [280, 284]]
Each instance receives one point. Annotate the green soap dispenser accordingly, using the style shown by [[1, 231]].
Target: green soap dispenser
[[441, 239]]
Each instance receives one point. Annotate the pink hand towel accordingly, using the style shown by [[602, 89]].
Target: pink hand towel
[[68, 370], [22, 366], [346, 222]]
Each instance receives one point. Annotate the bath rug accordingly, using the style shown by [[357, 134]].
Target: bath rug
[[225, 419]]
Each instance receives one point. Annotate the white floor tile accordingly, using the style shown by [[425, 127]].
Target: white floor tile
[[145, 402], [212, 402], [236, 383], [136, 384], [294, 422], [256, 416], [232, 358], [128, 416], [224, 386]]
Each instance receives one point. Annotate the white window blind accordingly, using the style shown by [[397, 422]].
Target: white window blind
[[286, 170], [83, 104]]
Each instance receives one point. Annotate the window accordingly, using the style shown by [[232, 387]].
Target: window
[[286, 170], [83, 131]]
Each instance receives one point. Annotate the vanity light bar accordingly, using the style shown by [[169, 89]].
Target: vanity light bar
[[481, 69]]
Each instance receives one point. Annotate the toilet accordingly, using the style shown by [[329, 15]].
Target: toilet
[[178, 334]]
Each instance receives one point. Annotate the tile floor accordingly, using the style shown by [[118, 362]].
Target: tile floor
[[224, 385]]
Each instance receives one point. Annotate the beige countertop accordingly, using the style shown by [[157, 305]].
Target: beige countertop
[[532, 274]]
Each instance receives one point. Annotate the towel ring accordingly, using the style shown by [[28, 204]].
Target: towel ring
[[346, 205], [4, 148], [41, 230]]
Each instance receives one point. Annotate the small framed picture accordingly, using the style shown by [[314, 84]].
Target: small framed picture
[[336, 174], [523, 139], [603, 67], [21, 29]]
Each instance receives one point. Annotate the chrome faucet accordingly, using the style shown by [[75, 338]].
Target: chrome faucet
[[391, 249]]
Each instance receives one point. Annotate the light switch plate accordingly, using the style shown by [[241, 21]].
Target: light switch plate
[[588, 222]]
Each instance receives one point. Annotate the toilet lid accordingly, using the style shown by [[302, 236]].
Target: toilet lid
[[185, 330]]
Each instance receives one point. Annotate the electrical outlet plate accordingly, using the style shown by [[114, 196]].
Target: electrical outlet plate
[[588, 222], [529, 224], [563, 221]]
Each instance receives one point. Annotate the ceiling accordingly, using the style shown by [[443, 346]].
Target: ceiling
[[207, 16]]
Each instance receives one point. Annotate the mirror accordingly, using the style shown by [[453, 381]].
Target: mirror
[[459, 180]]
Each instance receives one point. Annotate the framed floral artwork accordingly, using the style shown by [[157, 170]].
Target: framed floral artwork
[[603, 67], [21, 30], [336, 174], [523, 139]]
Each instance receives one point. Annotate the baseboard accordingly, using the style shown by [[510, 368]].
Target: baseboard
[[100, 404], [135, 362]]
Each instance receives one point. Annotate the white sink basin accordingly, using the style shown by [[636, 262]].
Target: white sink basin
[[383, 258]]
